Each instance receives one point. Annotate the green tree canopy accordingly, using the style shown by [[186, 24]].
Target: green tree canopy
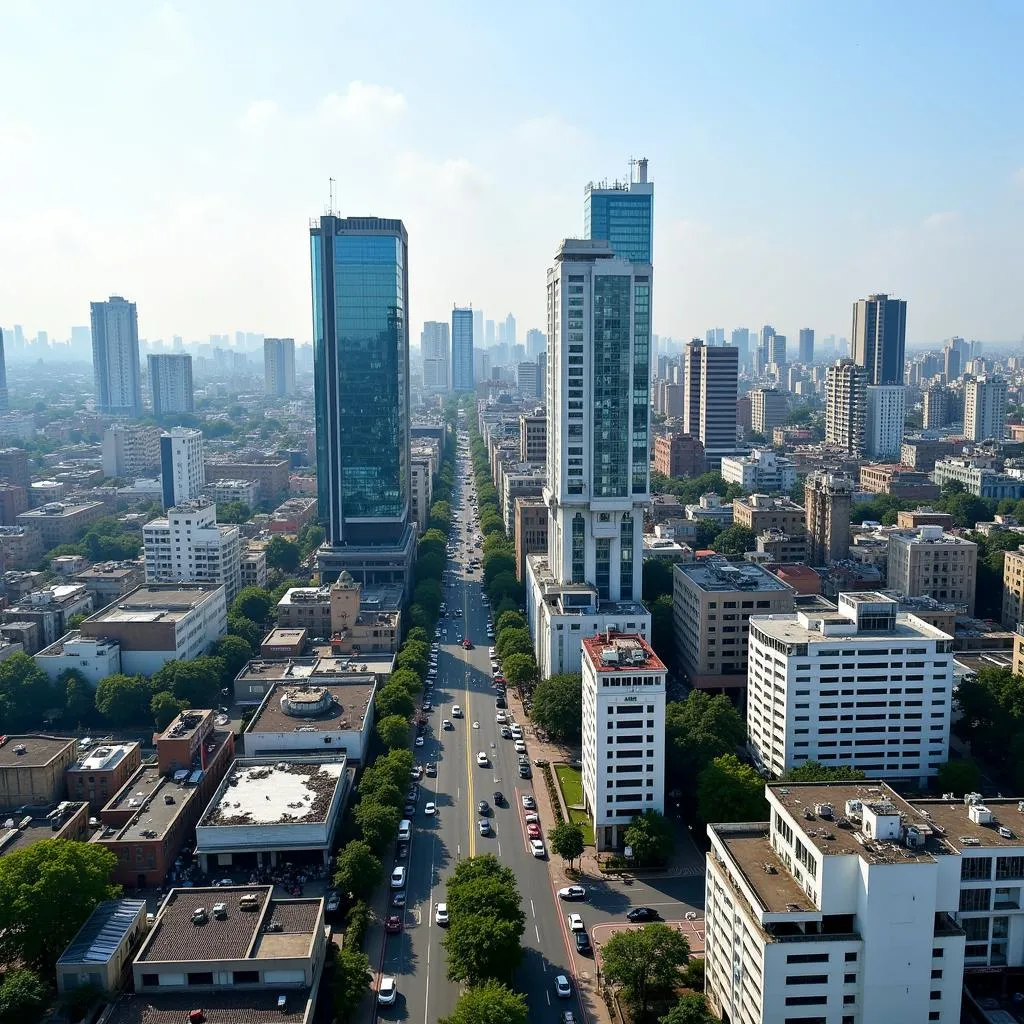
[[958, 777], [697, 730], [815, 771], [22, 997], [489, 1003], [657, 576], [358, 869], [498, 563], [79, 701], [394, 700], [510, 620], [165, 707], [513, 641], [692, 1008], [235, 652], [283, 554], [253, 603], [393, 731], [377, 822], [249, 631], [558, 705], [735, 540], [567, 840], [645, 962], [233, 512], [124, 700], [663, 628], [26, 694], [481, 948], [407, 679], [728, 790], [651, 837], [197, 681], [419, 635], [350, 979], [47, 890], [520, 669]]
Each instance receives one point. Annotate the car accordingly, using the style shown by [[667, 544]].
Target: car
[[568, 1017], [531, 817], [523, 759], [572, 892], [468, 644], [430, 809], [491, 651], [441, 914], [483, 807], [562, 987], [428, 705], [409, 809], [500, 703], [528, 802], [643, 914], [431, 768], [402, 851], [533, 830], [387, 992], [525, 772], [583, 946], [398, 878], [484, 826], [498, 798], [500, 717], [418, 742], [456, 711], [333, 904], [224, 882], [537, 848], [575, 922], [398, 898], [199, 916], [517, 731], [519, 745], [446, 724], [392, 924], [506, 732], [481, 759]]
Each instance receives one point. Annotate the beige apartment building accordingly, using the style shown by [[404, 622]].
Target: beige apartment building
[[929, 561], [530, 528], [1013, 588], [761, 512]]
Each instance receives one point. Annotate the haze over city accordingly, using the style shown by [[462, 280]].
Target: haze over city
[[804, 154]]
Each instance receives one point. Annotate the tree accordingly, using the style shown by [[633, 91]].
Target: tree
[[505, 585], [413, 655], [124, 700], [663, 628], [165, 707], [283, 554], [26, 694], [487, 888], [311, 536], [377, 822], [79, 703], [959, 777], [650, 835], [645, 962], [351, 979], [479, 948], [692, 1008], [47, 890], [407, 679], [728, 790], [496, 564], [419, 635], [233, 512], [394, 700], [393, 731], [513, 641], [815, 771], [520, 670], [567, 840], [489, 1003], [693, 974], [239, 625], [558, 705], [197, 681], [358, 869], [22, 997], [697, 730], [252, 603], [510, 620], [735, 540], [235, 652]]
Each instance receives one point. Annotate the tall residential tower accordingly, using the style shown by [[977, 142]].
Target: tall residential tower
[[879, 338], [115, 357], [170, 383], [279, 367], [462, 349]]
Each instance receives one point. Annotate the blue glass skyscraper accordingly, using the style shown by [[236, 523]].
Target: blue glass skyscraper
[[462, 349], [360, 282], [622, 214]]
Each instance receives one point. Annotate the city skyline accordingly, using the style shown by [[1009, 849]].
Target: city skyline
[[790, 241]]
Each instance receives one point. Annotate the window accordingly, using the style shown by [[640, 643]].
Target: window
[[806, 1000], [975, 868], [851, 958], [849, 979], [807, 979], [849, 1000], [937, 974], [975, 899], [246, 977], [200, 977], [150, 979], [1009, 867]]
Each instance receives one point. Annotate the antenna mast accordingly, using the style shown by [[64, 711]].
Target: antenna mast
[[330, 207]]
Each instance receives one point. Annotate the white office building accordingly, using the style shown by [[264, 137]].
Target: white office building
[[435, 347], [130, 450], [838, 909], [886, 411], [188, 546], [984, 408], [597, 481], [623, 733], [762, 470], [279, 367], [182, 472], [846, 406], [864, 686]]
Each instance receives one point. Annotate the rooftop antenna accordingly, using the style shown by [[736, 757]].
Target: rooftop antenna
[[632, 167], [330, 208]]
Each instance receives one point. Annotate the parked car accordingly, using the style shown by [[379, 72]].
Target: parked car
[[643, 914], [392, 924], [387, 993], [398, 878], [572, 892]]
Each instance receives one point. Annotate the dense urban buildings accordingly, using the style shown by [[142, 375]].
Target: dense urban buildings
[[170, 384], [886, 412], [879, 338], [768, 408], [279, 367], [805, 351], [678, 456], [361, 376], [934, 563], [115, 357]]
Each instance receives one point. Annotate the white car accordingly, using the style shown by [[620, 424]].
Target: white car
[[430, 809], [572, 892], [492, 652], [456, 711], [520, 745], [562, 987], [481, 759], [418, 741], [528, 802], [484, 826], [500, 717], [537, 848], [575, 922], [441, 914], [398, 878], [517, 731], [388, 991]]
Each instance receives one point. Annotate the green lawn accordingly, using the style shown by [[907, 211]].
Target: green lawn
[[570, 781]]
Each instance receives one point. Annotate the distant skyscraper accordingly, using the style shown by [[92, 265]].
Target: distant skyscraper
[[709, 398], [741, 342], [714, 336], [984, 408], [937, 407], [478, 328], [489, 339], [777, 351], [181, 465], [4, 400], [879, 338], [846, 406], [536, 342], [170, 384], [510, 330], [279, 367], [462, 349], [361, 376], [115, 357], [806, 348], [435, 346], [528, 379], [954, 355], [622, 214], [763, 353]]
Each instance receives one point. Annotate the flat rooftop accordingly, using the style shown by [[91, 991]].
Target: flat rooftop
[[157, 602], [284, 637], [103, 757], [146, 795], [187, 723], [59, 509], [951, 820], [714, 576], [241, 935], [788, 629], [104, 930], [319, 706], [108, 571], [631, 652], [321, 667], [15, 836], [751, 849], [31, 751], [251, 1006], [275, 793]]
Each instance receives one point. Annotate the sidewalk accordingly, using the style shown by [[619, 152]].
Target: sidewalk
[[374, 941]]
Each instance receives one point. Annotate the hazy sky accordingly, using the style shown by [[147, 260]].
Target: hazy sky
[[803, 154]]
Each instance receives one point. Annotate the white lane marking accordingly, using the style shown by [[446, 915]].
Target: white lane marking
[[499, 847], [533, 910], [544, 964], [536, 931], [548, 994]]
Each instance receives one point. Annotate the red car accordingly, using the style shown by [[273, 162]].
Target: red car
[[468, 644], [392, 924], [533, 830]]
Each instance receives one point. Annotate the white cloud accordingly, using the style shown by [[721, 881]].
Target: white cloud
[[454, 178], [548, 130], [941, 219], [258, 117], [1018, 178], [362, 102]]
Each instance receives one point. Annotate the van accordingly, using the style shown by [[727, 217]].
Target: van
[[250, 901], [404, 830]]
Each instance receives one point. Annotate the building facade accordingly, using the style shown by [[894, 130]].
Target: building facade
[[846, 406], [886, 411], [878, 338], [131, 450], [182, 471], [678, 456], [806, 345], [761, 470], [530, 529], [984, 408], [279, 367], [462, 349], [170, 384], [115, 357], [768, 408], [435, 349], [361, 376], [711, 377], [929, 562], [828, 499]]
